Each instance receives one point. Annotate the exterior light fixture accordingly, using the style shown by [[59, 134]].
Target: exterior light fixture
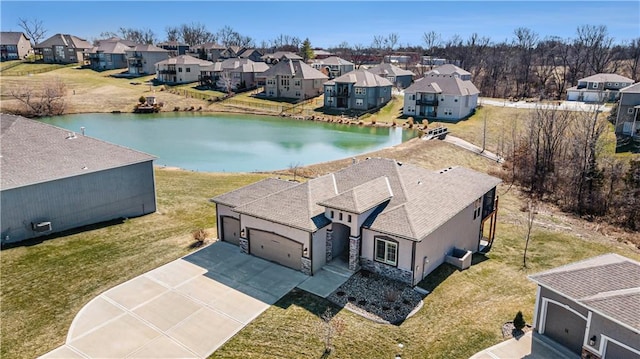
[[592, 340]]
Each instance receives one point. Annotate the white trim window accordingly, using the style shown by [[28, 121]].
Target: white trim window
[[477, 206], [359, 102], [361, 90], [386, 251]]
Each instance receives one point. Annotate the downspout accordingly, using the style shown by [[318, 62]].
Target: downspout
[[413, 261]]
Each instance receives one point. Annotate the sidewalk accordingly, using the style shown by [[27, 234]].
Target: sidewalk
[[530, 346], [473, 148]]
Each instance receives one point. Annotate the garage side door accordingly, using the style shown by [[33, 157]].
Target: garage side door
[[231, 230], [275, 248], [565, 327]]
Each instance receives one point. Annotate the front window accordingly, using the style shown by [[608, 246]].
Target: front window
[[188, 69], [386, 251], [359, 102], [361, 90], [476, 208], [594, 85]]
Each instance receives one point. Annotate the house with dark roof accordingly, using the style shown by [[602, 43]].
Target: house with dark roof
[[142, 59], [399, 77], [358, 90], [396, 219], [292, 79], [591, 307], [333, 66], [14, 46], [628, 116], [54, 180], [175, 48], [209, 51], [108, 55], [252, 54], [63, 48], [278, 56], [598, 88], [180, 69], [235, 73], [443, 97]]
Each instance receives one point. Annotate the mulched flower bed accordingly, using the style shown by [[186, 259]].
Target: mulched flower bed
[[377, 298], [509, 330]]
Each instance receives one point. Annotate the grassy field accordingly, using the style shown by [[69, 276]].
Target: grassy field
[[27, 68]]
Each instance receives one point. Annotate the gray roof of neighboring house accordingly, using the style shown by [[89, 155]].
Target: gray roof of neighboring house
[[252, 192], [110, 48], [635, 88], [608, 284], [117, 39], [172, 44], [606, 78], [280, 54], [35, 152], [209, 46], [361, 78], [446, 84], [147, 48], [184, 60], [415, 201], [448, 69], [333, 60], [248, 52], [11, 38], [64, 40], [389, 69], [295, 68], [240, 65]]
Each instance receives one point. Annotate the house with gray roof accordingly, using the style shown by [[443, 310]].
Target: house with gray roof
[[63, 49], [237, 74], [451, 69], [292, 79], [180, 69], [55, 180], [108, 55], [175, 48], [591, 307], [598, 88], [628, 116], [14, 46], [440, 97], [358, 90], [278, 56], [142, 59], [399, 77], [395, 219], [333, 66]]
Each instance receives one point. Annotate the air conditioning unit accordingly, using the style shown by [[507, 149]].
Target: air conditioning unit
[[41, 227]]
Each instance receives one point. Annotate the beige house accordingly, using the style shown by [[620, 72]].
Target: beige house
[[141, 59], [234, 73], [451, 69], [180, 69], [598, 88], [64, 49], [14, 46], [443, 97], [293, 79], [395, 219]]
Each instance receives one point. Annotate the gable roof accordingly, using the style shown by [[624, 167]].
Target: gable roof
[[333, 60], [110, 48], [445, 84], [209, 46], [361, 198], [608, 284], [606, 78], [147, 48], [117, 39], [11, 38], [448, 69], [172, 44], [279, 55], [249, 52], [64, 40], [238, 65], [252, 192], [635, 88], [35, 152], [295, 68], [184, 60], [385, 69], [361, 78]]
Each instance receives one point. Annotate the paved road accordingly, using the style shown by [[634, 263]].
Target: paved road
[[562, 105]]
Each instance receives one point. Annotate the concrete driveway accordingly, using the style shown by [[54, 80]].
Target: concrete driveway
[[185, 309], [530, 346]]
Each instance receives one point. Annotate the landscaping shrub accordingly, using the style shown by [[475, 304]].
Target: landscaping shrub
[[518, 321]]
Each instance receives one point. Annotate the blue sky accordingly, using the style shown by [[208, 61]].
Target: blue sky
[[327, 23]]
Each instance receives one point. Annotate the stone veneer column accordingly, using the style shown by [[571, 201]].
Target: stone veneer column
[[354, 253], [329, 248], [306, 265], [244, 245]]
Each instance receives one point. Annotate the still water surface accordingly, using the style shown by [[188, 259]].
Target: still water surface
[[232, 143]]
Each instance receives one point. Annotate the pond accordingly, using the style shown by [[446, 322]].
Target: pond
[[230, 142]]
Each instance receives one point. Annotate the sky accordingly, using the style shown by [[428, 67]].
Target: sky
[[328, 23]]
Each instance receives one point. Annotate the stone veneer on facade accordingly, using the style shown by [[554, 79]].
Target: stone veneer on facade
[[354, 253], [387, 270], [244, 245], [329, 248], [306, 265]]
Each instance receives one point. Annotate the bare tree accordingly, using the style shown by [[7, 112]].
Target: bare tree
[[531, 215], [598, 45], [173, 33], [140, 36], [330, 326], [34, 29], [194, 34], [46, 102], [525, 43], [633, 58], [431, 40]]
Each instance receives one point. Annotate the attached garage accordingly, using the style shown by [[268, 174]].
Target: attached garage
[[231, 230], [276, 248], [615, 351], [565, 327]]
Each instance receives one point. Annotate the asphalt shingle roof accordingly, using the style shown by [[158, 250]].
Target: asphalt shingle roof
[[635, 88], [10, 37], [239, 65], [252, 192], [148, 48], [282, 54], [333, 60], [110, 48], [294, 68], [361, 198], [447, 84], [448, 69], [606, 78], [34, 152], [64, 40], [608, 284], [389, 69], [361, 78], [184, 60]]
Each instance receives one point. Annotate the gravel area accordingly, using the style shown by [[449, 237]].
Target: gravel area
[[377, 298]]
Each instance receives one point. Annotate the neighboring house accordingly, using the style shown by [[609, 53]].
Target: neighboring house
[[209, 51], [333, 66], [64, 49], [276, 57], [108, 55], [180, 69], [450, 69], [117, 39], [395, 219], [399, 77], [320, 54], [252, 54], [591, 307], [628, 116], [436, 61], [359, 90], [598, 88], [14, 46], [442, 97], [234, 73], [55, 180], [175, 48], [292, 79], [141, 59]]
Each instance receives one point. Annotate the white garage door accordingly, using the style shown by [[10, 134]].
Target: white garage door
[[231, 230], [273, 247]]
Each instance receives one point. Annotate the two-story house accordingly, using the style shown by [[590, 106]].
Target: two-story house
[[209, 51], [278, 56], [175, 48], [399, 77], [628, 116], [236, 74], [108, 55], [293, 79], [358, 90], [333, 66], [180, 69], [141, 59], [14, 46], [64, 49], [252, 54], [451, 69], [598, 88], [445, 97]]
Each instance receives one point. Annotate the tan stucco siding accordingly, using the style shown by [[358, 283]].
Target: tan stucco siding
[[294, 234], [405, 248], [223, 211], [356, 220], [318, 249]]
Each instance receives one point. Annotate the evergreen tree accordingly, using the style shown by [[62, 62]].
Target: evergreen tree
[[306, 52], [518, 321]]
